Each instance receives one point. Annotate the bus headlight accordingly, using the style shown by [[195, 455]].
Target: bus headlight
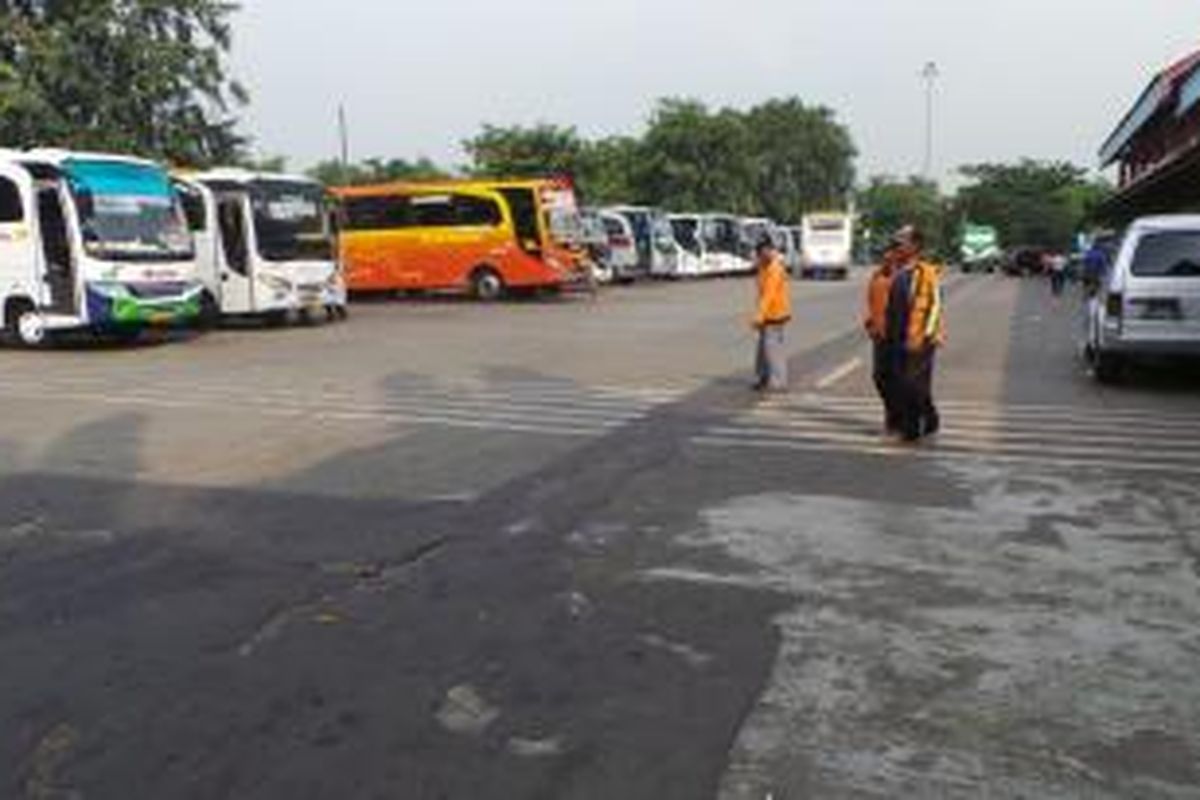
[[275, 283]]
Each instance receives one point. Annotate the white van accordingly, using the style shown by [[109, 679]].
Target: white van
[[623, 253], [1149, 303], [264, 245], [91, 241], [655, 242]]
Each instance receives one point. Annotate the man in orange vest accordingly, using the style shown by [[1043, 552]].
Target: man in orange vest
[[773, 313], [883, 369], [915, 331]]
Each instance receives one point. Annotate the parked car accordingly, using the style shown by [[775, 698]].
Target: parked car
[[1149, 302], [657, 249], [595, 241], [1024, 261], [622, 248]]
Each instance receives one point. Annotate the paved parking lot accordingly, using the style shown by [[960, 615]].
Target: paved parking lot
[[557, 549]]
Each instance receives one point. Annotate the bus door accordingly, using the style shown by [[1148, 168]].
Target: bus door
[[235, 269], [522, 203], [58, 261], [199, 207], [18, 242]]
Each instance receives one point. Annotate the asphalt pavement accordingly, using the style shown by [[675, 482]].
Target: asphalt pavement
[[557, 549]]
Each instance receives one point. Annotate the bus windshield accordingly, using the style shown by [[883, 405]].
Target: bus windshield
[[128, 212], [290, 221], [687, 233]]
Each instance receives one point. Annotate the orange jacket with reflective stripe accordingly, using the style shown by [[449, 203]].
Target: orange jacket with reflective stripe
[[878, 290], [926, 319], [774, 295]]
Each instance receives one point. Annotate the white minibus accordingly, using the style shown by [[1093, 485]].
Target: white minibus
[[265, 245], [91, 241]]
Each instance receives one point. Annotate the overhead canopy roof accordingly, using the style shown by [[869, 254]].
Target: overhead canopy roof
[[1175, 89]]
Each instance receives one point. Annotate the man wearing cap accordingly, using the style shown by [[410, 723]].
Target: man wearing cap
[[915, 330], [773, 313]]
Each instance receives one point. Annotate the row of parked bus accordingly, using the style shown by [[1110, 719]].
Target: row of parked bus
[[626, 243], [114, 244]]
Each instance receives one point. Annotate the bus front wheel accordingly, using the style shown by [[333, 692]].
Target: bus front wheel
[[486, 285], [24, 324]]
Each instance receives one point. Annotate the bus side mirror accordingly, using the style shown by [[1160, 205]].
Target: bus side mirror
[[86, 202]]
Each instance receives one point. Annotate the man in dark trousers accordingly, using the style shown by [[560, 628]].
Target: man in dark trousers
[[879, 288], [915, 330]]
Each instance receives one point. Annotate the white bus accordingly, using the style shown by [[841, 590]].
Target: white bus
[[711, 244], [754, 230], [265, 245], [91, 242], [690, 252], [828, 242]]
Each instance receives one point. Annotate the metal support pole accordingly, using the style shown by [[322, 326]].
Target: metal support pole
[[930, 75]]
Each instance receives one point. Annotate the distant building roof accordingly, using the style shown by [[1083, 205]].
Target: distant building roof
[[1175, 89]]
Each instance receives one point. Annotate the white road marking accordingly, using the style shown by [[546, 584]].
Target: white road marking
[[886, 451], [819, 401], [840, 374], [1132, 437]]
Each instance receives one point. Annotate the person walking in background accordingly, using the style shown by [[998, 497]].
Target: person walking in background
[[1058, 274], [884, 360], [915, 330], [773, 313]]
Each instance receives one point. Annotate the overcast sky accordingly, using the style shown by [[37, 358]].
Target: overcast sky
[[1042, 78]]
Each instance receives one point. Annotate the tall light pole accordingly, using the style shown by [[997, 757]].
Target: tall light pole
[[344, 136], [930, 75]]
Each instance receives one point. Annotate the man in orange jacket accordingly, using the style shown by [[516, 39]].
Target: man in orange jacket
[[883, 368], [773, 313], [915, 330]]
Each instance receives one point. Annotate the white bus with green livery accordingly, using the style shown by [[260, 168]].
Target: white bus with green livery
[[91, 242]]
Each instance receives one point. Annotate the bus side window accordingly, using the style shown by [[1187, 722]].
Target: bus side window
[[433, 211], [525, 219], [10, 202], [376, 213], [476, 211], [193, 208], [233, 234]]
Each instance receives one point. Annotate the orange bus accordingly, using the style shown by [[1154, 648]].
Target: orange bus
[[487, 237]]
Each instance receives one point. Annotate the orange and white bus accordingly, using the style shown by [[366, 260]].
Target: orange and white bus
[[487, 237]]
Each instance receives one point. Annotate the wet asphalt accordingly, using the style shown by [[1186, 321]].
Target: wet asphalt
[[558, 550]]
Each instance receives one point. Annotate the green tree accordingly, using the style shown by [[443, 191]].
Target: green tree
[[692, 159], [887, 204], [1033, 203], [803, 159], [607, 170], [265, 164], [541, 150], [376, 170], [142, 76]]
